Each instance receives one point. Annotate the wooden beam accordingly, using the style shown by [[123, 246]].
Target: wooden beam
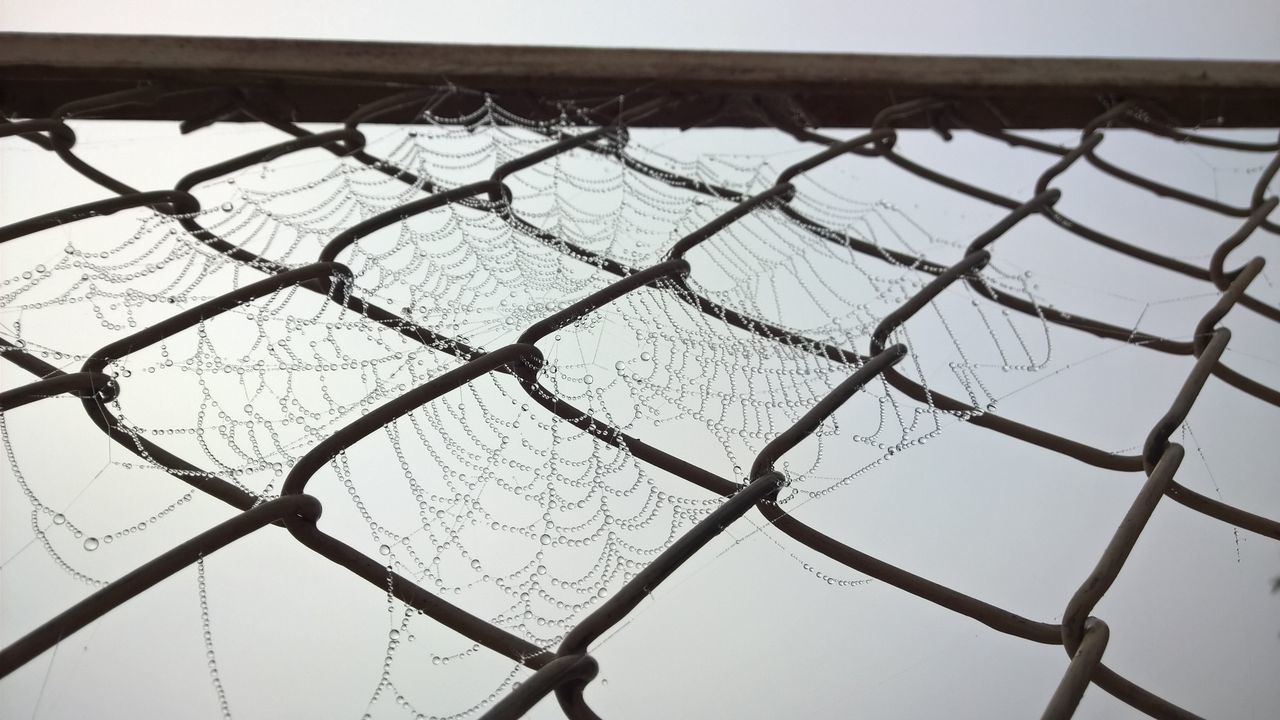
[[324, 80]]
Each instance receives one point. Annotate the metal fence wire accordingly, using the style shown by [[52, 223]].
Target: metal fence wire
[[567, 670]]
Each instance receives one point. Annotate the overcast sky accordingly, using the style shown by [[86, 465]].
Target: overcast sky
[[1241, 29]]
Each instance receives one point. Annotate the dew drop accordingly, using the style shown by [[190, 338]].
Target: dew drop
[[384, 549], [59, 519], [91, 544]]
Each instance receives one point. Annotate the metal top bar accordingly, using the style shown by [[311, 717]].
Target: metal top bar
[[324, 80]]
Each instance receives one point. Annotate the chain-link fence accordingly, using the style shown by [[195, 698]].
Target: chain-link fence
[[569, 668]]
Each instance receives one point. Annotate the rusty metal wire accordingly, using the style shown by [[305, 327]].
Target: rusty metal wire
[[567, 670]]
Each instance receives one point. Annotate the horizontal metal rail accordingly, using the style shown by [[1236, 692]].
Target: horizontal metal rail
[[327, 80]]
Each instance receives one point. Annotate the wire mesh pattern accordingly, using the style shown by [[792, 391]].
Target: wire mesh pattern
[[568, 669]]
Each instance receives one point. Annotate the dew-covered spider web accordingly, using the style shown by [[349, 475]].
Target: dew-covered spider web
[[525, 502]]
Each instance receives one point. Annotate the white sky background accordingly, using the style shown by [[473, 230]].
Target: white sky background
[[1119, 28], [1191, 617]]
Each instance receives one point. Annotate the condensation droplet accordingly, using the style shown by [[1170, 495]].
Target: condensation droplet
[[91, 544]]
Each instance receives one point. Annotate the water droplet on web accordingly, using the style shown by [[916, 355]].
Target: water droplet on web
[[227, 207], [545, 539], [645, 356], [91, 544], [384, 549], [59, 519]]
